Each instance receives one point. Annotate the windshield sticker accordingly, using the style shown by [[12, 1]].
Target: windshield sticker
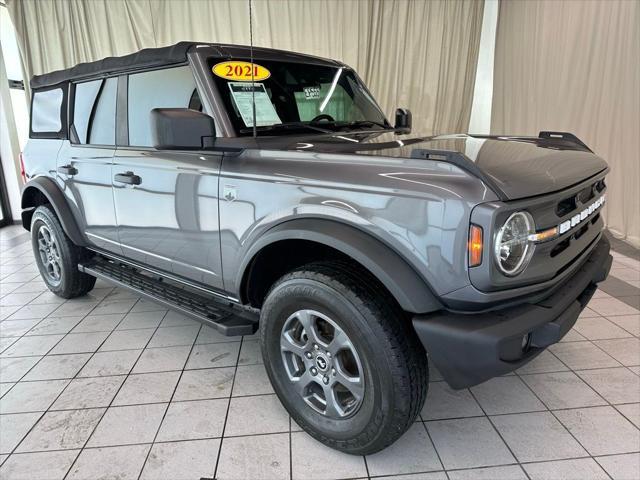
[[243, 95], [240, 71], [311, 93]]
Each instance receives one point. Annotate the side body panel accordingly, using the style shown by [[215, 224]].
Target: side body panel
[[88, 192], [399, 201], [40, 156], [170, 220]]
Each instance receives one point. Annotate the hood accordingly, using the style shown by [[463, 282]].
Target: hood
[[514, 167]]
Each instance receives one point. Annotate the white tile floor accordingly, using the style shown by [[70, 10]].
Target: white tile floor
[[110, 386]]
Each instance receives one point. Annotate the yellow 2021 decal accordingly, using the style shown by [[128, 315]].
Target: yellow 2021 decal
[[241, 71]]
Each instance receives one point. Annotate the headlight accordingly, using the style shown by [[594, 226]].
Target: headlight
[[513, 249]]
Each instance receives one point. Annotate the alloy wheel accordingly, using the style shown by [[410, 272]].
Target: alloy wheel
[[322, 363], [49, 255]]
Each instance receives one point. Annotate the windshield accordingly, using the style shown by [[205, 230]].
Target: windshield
[[294, 96]]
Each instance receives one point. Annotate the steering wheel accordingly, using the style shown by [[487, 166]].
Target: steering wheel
[[322, 116]]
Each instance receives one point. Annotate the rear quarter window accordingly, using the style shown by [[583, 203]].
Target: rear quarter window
[[46, 113]]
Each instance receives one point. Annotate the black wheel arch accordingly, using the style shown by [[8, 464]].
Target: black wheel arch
[[409, 289], [42, 190]]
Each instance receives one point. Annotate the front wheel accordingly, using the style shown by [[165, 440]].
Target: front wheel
[[57, 256], [342, 357]]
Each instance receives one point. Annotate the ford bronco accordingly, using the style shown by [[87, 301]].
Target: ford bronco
[[252, 188]]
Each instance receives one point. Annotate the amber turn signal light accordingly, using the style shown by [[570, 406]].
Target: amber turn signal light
[[475, 246]]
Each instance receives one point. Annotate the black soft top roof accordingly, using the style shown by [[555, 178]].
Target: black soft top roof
[[157, 57]]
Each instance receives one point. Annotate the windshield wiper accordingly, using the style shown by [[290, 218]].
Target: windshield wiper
[[287, 126], [364, 123]]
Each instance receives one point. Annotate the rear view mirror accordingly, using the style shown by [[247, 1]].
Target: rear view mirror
[[181, 129], [403, 121]]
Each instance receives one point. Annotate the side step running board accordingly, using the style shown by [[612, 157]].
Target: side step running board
[[222, 316]]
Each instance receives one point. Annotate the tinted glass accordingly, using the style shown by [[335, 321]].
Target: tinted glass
[[94, 112], [169, 88], [85, 99], [46, 111], [103, 123], [317, 95]]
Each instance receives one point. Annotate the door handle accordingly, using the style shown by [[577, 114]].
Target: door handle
[[68, 170], [128, 177]]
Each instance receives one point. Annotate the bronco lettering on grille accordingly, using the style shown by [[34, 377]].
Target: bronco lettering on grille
[[580, 217]]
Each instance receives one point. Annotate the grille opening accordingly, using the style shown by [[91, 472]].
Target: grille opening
[[566, 206], [581, 232], [560, 247], [570, 204], [585, 195], [568, 264]]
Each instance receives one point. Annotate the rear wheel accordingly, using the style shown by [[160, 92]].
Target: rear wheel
[[57, 256], [342, 358]]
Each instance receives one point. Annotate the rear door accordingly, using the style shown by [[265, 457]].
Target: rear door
[[166, 201], [84, 161]]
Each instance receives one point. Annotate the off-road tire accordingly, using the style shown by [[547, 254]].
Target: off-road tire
[[73, 283], [395, 364]]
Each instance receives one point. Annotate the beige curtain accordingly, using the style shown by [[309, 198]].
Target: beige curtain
[[575, 66], [55, 34], [423, 55], [412, 53]]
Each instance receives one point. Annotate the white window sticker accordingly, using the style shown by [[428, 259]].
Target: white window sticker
[[243, 96], [311, 93]]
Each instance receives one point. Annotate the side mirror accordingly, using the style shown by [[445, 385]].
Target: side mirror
[[181, 129], [403, 121]]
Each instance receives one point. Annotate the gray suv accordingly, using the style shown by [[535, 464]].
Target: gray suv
[[262, 189]]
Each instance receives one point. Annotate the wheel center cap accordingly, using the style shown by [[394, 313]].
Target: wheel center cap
[[322, 362]]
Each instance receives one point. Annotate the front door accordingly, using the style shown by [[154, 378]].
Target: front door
[[84, 162], [166, 202]]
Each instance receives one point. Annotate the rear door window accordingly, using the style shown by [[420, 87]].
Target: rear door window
[[168, 88], [94, 112]]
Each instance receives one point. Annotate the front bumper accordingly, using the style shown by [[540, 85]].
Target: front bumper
[[468, 349]]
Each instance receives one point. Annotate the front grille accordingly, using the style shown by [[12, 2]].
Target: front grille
[[566, 206], [581, 232], [574, 202], [560, 247], [564, 244], [587, 194], [577, 255], [548, 211]]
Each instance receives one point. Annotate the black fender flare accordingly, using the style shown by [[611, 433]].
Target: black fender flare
[[56, 198], [409, 289]]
